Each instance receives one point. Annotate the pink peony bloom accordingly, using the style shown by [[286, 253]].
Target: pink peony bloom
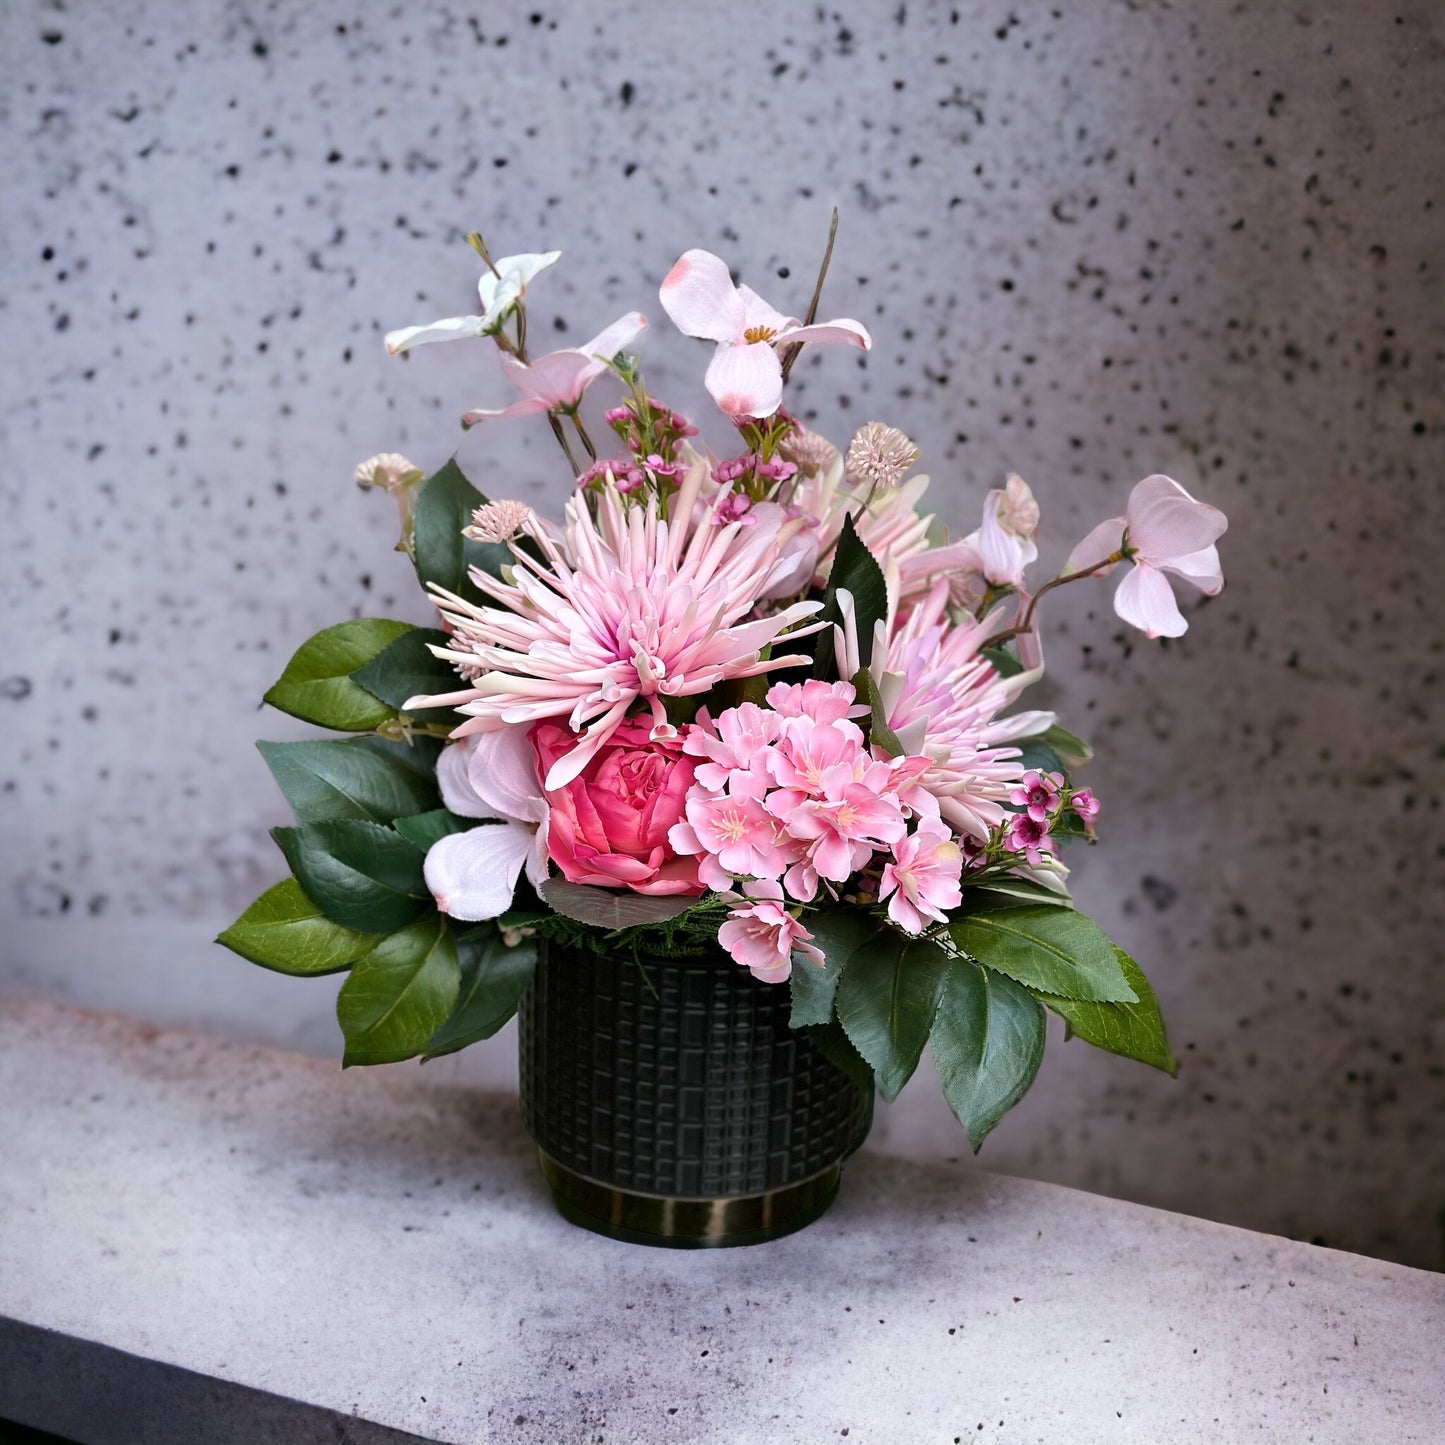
[[763, 936], [922, 879], [1037, 794], [609, 824], [555, 382], [745, 376], [1164, 530]]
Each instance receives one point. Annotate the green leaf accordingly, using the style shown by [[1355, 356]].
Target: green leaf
[[1004, 662], [494, 977], [1036, 754], [408, 668], [283, 929], [1052, 950], [830, 1041], [839, 933], [444, 505], [316, 684], [1073, 750], [988, 1039], [886, 1000], [855, 569], [358, 873], [997, 891], [1134, 1030], [399, 994], [344, 778], [878, 730], [610, 908], [424, 829]]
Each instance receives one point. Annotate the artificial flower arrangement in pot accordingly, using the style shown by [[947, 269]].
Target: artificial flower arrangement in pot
[[721, 784]]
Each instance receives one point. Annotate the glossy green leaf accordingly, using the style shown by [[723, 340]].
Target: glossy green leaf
[[1134, 1030], [360, 874], [610, 908], [988, 1039], [838, 933], [408, 668], [424, 829], [1004, 662], [317, 686], [494, 978], [444, 505], [856, 570], [1072, 749], [886, 1001], [346, 778], [1036, 754], [1052, 950], [1000, 892], [879, 733], [399, 994], [284, 930]]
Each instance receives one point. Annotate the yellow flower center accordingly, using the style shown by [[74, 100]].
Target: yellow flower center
[[758, 333]]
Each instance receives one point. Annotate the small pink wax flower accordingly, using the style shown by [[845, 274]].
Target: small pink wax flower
[[1165, 530], [745, 376], [922, 879], [1085, 804], [1029, 836], [763, 936], [1038, 794], [555, 382], [608, 825]]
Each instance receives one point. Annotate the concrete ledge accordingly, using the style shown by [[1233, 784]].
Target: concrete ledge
[[206, 1240]]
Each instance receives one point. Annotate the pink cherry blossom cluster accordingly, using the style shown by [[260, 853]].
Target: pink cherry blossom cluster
[[790, 800]]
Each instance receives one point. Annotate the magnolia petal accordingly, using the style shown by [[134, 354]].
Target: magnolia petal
[[746, 380], [1089, 555], [758, 313], [843, 331], [502, 771], [527, 406], [473, 875], [1005, 554], [503, 284], [612, 339], [453, 328], [454, 780], [1145, 600], [1166, 522], [1201, 568], [699, 295]]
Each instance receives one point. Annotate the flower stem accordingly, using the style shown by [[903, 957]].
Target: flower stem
[[1026, 622], [793, 351]]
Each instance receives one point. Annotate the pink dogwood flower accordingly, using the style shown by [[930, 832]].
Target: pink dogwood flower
[[555, 382], [501, 287], [745, 376], [763, 936], [1162, 530], [922, 880]]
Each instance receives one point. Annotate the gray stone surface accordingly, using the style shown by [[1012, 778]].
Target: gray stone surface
[[379, 1246], [1092, 241]]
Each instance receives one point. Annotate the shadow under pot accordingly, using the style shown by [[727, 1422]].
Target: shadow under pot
[[672, 1104]]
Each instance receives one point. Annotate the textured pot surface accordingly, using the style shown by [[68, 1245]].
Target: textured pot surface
[[680, 1079]]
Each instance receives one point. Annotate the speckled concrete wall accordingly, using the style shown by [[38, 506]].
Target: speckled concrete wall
[[1092, 242]]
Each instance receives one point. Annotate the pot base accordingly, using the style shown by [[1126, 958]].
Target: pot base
[[687, 1223]]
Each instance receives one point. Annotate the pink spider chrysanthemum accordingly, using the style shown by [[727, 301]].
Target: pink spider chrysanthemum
[[625, 607], [945, 700]]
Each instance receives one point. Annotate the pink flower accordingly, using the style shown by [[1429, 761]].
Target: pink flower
[[1163, 530], [502, 285], [735, 743], [735, 832], [745, 376], [555, 382], [609, 824], [1005, 541], [1037, 794], [1085, 804], [922, 880], [822, 702], [763, 936], [845, 831], [1029, 836]]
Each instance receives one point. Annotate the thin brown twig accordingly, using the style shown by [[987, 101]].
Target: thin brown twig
[[793, 351], [1028, 618]]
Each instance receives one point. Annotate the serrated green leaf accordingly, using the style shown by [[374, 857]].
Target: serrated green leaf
[[424, 829], [399, 994], [886, 1001], [610, 908], [444, 505], [344, 778], [838, 933], [1133, 1030], [284, 930], [316, 684], [988, 1039], [494, 978], [856, 570], [879, 732], [1052, 950], [830, 1041], [407, 668], [360, 874]]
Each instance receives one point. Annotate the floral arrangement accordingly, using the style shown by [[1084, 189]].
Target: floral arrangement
[[754, 704]]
